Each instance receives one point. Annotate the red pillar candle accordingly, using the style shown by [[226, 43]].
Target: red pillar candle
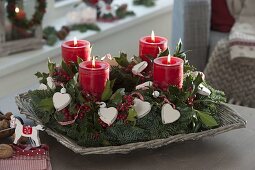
[[73, 49], [168, 71], [93, 76], [150, 45]]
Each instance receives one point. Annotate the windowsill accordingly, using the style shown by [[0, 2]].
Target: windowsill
[[14, 63], [66, 3]]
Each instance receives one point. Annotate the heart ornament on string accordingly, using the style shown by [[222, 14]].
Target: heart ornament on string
[[50, 83], [138, 68], [144, 86], [108, 115], [42, 87], [110, 60], [169, 114], [203, 90], [141, 107], [61, 99]]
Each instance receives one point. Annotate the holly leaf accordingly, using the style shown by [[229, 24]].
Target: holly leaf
[[72, 108], [80, 98], [188, 86], [79, 60], [164, 53], [51, 66], [117, 96], [38, 75], [175, 94], [112, 82], [122, 60], [137, 59], [75, 78], [66, 68], [178, 46], [42, 76], [207, 119], [107, 93], [149, 57], [198, 80], [46, 105], [132, 115]]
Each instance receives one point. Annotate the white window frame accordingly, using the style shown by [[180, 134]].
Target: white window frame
[[56, 10]]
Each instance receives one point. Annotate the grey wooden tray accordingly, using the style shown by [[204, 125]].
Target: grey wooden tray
[[230, 120]]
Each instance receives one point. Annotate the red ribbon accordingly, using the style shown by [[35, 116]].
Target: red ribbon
[[70, 121], [138, 94], [28, 150]]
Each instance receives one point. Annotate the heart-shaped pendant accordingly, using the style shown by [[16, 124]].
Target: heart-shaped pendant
[[203, 90], [110, 60], [169, 114], [42, 87], [138, 68], [61, 100], [101, 104], [144, 86], [141, 107], [50, 83], [108, 115]]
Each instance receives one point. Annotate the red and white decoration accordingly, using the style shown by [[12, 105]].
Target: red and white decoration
[[26, 131]]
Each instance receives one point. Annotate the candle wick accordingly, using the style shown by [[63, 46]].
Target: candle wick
[[75, 42], [93, 62], [169, 59], [153, 36]]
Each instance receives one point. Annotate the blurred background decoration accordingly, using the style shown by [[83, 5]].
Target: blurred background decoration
[[20, 25]]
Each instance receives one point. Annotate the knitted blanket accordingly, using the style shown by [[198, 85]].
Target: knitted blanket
[[242, 35], [236, 79]]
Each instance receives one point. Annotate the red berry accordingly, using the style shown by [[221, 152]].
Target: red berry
[[96, 136], [70, 117], [121, 117], [190, 89], [66, 115], [104, 125]]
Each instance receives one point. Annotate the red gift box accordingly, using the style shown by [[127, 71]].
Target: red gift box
[[25, 158]]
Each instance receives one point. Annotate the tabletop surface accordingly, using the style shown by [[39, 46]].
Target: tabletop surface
[[230, 150]]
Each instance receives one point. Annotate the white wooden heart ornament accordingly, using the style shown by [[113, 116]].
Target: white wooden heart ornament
[[110, 60], [169, 114], [144, 86], [42, 87], [101, 104], [203, 90], [108, 115], [61, 99], [50, 83], [138, 68], [141, 107]]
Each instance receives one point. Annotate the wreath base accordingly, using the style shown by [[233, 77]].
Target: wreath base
[[230, 120]]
